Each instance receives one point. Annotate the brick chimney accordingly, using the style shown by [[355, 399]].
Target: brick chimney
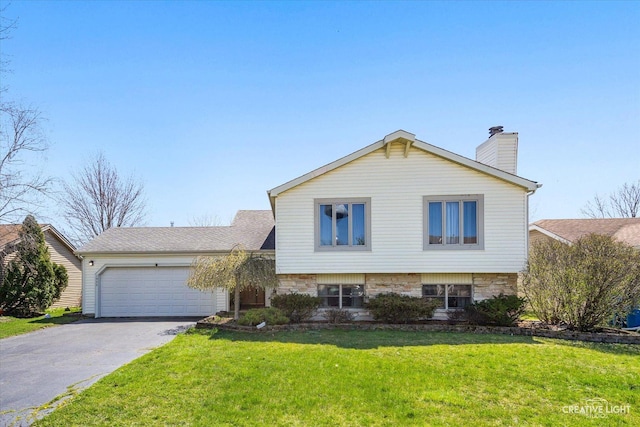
[[500, 150]]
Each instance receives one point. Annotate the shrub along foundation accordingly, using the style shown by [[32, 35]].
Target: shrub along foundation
[[601, 337]]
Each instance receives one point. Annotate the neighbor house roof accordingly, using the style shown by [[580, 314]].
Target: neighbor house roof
[[252, 230], [409, 140], [10, 234], [569, 230]]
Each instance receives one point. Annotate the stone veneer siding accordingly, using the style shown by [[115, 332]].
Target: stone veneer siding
[[485, 285], [300, 283], [401, 283]]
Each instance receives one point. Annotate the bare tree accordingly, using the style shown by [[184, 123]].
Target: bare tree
[[21, 138], [206, 220], [597, 208], [22, 188], [98, 198], [623, 203], [626, 201], [6, 26]]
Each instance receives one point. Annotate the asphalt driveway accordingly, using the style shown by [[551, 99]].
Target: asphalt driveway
[[38, 366]]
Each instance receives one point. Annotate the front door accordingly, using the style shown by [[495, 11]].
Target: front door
[[251, 298]]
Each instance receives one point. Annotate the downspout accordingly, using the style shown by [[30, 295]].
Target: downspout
[[526, 233], [84, 280]]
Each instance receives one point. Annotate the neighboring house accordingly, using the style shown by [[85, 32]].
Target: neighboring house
[[142, 271], [399, 215], [626, 230], [61, 252]]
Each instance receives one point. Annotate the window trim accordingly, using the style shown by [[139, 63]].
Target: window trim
[[446, 294], [341, 295], [478, 198], [338, 201]]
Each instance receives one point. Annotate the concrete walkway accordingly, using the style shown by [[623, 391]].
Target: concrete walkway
[[38, 366]]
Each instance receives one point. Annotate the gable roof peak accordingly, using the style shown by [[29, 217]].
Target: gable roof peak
[[401, 136], [409, 140]]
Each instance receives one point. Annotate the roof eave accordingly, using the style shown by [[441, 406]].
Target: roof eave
[[179, 253], [480, 167], [60, 237], [274, 192], [437, 151], [534, 227]]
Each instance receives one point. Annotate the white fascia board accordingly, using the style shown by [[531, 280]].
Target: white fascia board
[[60, 237], [273, 193], [546, 232], [97, 254], [480, 167], [448, 155], [402, 135]]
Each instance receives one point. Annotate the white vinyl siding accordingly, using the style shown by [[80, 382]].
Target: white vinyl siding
[[396, 187], [500, 151]]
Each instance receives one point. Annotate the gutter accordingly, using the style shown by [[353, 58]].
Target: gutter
[[538, 185], [170, 253]]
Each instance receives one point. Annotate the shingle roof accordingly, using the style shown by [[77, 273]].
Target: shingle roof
[[624, 229], [10, 233], [250, 229]]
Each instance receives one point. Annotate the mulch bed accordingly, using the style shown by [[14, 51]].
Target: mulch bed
[[526, 328]]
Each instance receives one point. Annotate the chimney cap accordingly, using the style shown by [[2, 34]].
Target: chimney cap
[[495, 129]]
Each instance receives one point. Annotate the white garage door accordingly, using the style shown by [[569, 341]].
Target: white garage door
[[161, 291]]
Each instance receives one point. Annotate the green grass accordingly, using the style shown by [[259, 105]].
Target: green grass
[[529, 315], [10, 326], [353, 378]]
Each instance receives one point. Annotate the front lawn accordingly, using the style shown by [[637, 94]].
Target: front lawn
[[10, 326], [386, 378]]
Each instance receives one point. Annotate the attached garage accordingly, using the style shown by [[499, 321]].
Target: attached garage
[[143, 271], [151, 291]]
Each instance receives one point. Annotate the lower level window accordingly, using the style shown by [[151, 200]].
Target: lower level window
[[449, 296], [341, 296]]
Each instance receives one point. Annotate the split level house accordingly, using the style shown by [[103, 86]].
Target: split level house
[[61, 251], [399, 215]]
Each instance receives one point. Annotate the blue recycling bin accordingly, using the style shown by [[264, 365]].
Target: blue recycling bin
[[633, 319]]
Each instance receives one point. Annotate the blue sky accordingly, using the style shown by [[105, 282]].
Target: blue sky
[[211, 104]]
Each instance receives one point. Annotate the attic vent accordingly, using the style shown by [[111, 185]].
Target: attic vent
[[495, 129]]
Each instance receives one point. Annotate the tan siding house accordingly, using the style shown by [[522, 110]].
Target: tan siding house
[[626, 230], [61, 252], [405, 216]]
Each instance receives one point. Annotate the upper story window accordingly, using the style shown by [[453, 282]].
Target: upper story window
[[343, 224], [454, 222]]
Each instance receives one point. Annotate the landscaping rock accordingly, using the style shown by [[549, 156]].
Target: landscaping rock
[[526, 329]]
